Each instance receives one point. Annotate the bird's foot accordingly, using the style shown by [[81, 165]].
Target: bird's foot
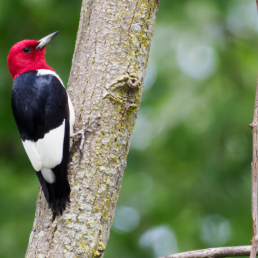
[[87, 127]]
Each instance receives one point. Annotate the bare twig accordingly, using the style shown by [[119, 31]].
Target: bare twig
[[214, 252], [254, 178], [254, 175]]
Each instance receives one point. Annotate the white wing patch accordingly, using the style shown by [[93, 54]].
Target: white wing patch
[[47, 153], [50, 148], [33, 154]]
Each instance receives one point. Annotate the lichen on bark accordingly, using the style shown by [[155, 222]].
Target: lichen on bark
[[105, 86]]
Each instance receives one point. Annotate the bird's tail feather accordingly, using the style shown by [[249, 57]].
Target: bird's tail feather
[[56, 194]]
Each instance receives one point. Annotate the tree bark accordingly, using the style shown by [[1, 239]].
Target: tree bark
[[105, 86], [218, 252]]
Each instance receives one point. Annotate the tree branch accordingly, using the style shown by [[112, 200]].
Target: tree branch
[[254, 178], [105, 86], [214, 252], [254, 174]]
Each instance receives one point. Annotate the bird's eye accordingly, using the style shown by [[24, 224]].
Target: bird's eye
[[26, 50]]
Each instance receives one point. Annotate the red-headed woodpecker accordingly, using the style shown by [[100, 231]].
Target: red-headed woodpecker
[[44, 116]]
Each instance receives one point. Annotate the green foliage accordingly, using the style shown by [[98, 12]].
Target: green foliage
[[188, 180]]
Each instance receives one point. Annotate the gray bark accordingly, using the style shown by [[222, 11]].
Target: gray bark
[[105, 86], [219, 252]]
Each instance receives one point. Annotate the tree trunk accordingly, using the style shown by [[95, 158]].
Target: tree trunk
[[105, 86]]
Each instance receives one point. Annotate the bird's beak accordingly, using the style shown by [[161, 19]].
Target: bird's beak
[[45, 40]]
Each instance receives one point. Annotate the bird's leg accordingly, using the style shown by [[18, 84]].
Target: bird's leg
[[87, 127]]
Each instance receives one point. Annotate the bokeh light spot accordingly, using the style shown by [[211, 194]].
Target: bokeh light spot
[[215, 230], [126, 219], [162, 239], [195, 60]]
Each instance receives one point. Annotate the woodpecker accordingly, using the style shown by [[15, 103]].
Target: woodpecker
[[44, 115]]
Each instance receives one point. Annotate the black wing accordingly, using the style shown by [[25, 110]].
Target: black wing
[[40, 104]]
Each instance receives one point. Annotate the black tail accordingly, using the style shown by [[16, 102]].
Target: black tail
[[57, 194]]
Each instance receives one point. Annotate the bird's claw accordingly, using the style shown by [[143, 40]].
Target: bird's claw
[[88, 127]]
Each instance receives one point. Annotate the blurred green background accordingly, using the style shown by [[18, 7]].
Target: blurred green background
[[188, 182]]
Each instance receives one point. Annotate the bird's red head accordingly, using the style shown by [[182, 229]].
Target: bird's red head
[[28, 55]]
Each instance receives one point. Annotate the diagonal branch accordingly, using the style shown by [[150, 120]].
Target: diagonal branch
[[214, 252]]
